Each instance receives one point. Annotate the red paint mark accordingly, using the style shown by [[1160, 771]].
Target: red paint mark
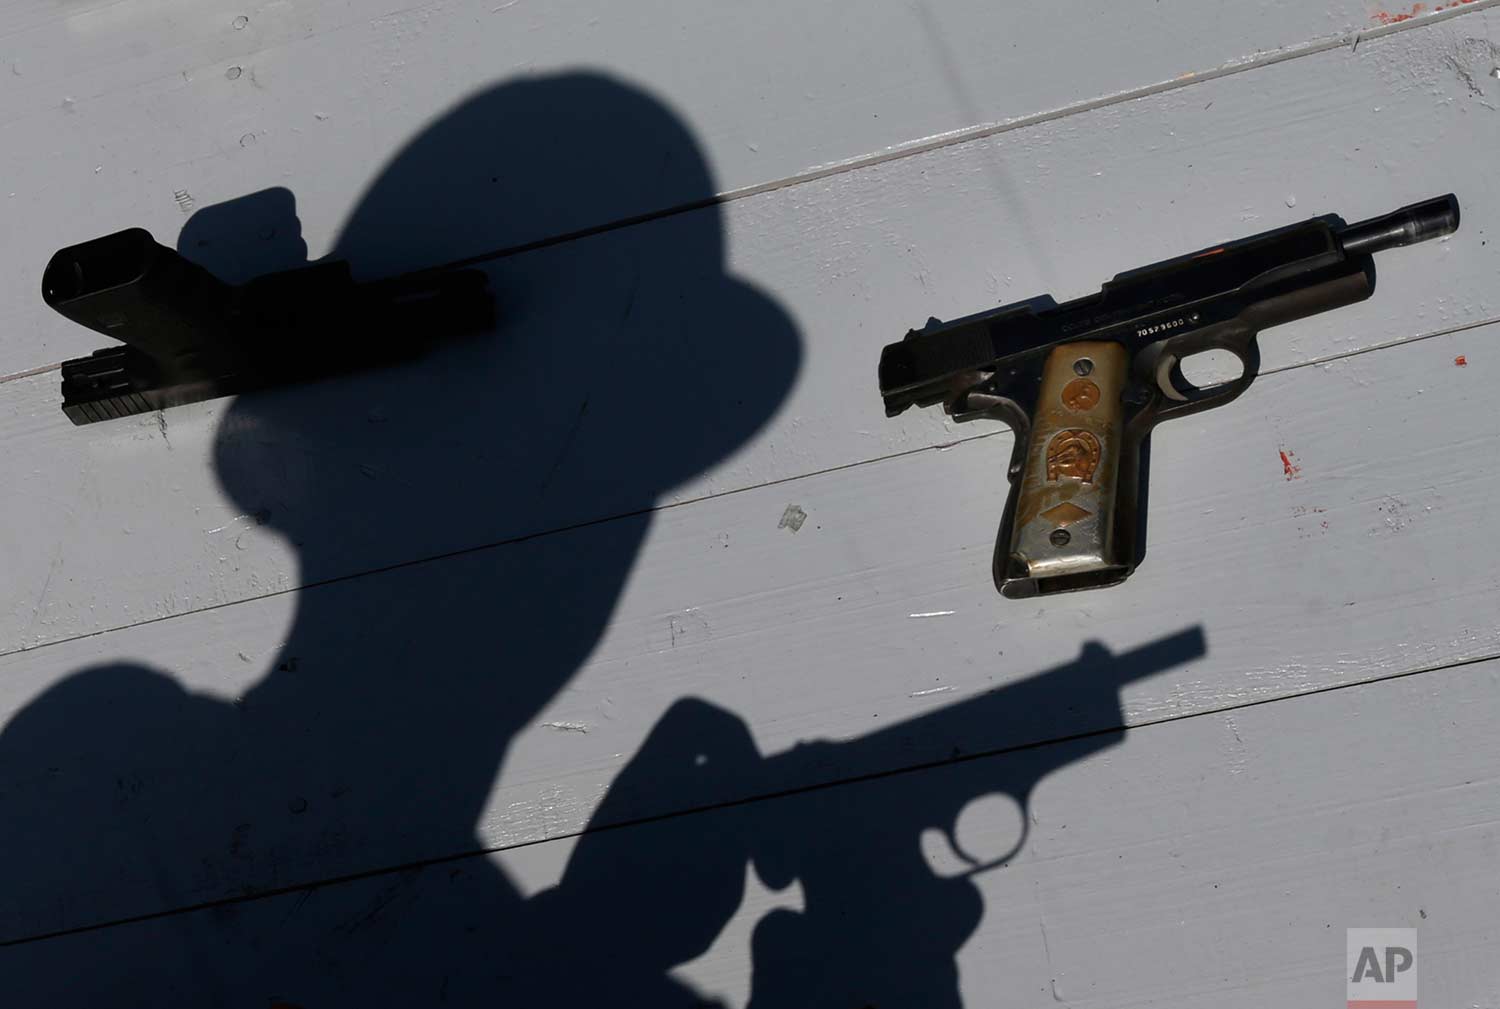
[[1386, 18], [1288, 467], [1461, 361]]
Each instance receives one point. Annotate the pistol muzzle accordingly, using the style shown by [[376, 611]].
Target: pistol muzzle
[[1407, 226]]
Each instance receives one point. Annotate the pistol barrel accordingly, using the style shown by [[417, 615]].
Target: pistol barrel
[[1407, 226]]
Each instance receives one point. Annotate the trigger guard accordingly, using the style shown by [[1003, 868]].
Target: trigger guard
[[976, 866], [951, 835], [1015, 849], [1172, 382]]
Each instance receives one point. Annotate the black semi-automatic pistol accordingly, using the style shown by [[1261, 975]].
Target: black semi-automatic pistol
[[188, 336], [1083, 383]]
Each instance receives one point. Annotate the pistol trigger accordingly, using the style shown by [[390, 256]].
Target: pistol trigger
[[974, 399], [1164, 365]]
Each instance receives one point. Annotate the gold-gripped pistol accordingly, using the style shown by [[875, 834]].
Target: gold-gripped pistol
[[1083, 383]]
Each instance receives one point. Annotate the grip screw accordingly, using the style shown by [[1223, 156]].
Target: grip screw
[[1060, 537], [1083, 366]]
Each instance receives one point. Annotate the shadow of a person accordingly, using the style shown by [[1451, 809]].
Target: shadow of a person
[[625, 364], [883, 919]]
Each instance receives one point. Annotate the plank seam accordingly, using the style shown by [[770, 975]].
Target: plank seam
[[354, 877], [970, 133], [953, 138], [30, 372], [577, 526]]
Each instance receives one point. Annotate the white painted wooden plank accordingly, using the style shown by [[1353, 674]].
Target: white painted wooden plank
[[363, 723], [634, 371], [1006, 217], [1216, 859], [118, 113]]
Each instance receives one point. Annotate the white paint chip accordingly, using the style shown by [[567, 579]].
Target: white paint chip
[[226, 525]]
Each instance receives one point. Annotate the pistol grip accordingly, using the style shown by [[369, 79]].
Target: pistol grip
[[1061, 524]]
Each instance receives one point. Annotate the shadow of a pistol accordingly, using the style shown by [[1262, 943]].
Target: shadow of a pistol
[[1104, 673], [1040, 724], [846, 820]]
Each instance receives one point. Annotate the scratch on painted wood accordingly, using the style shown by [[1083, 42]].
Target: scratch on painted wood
[[36, 611], [566, 726]]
